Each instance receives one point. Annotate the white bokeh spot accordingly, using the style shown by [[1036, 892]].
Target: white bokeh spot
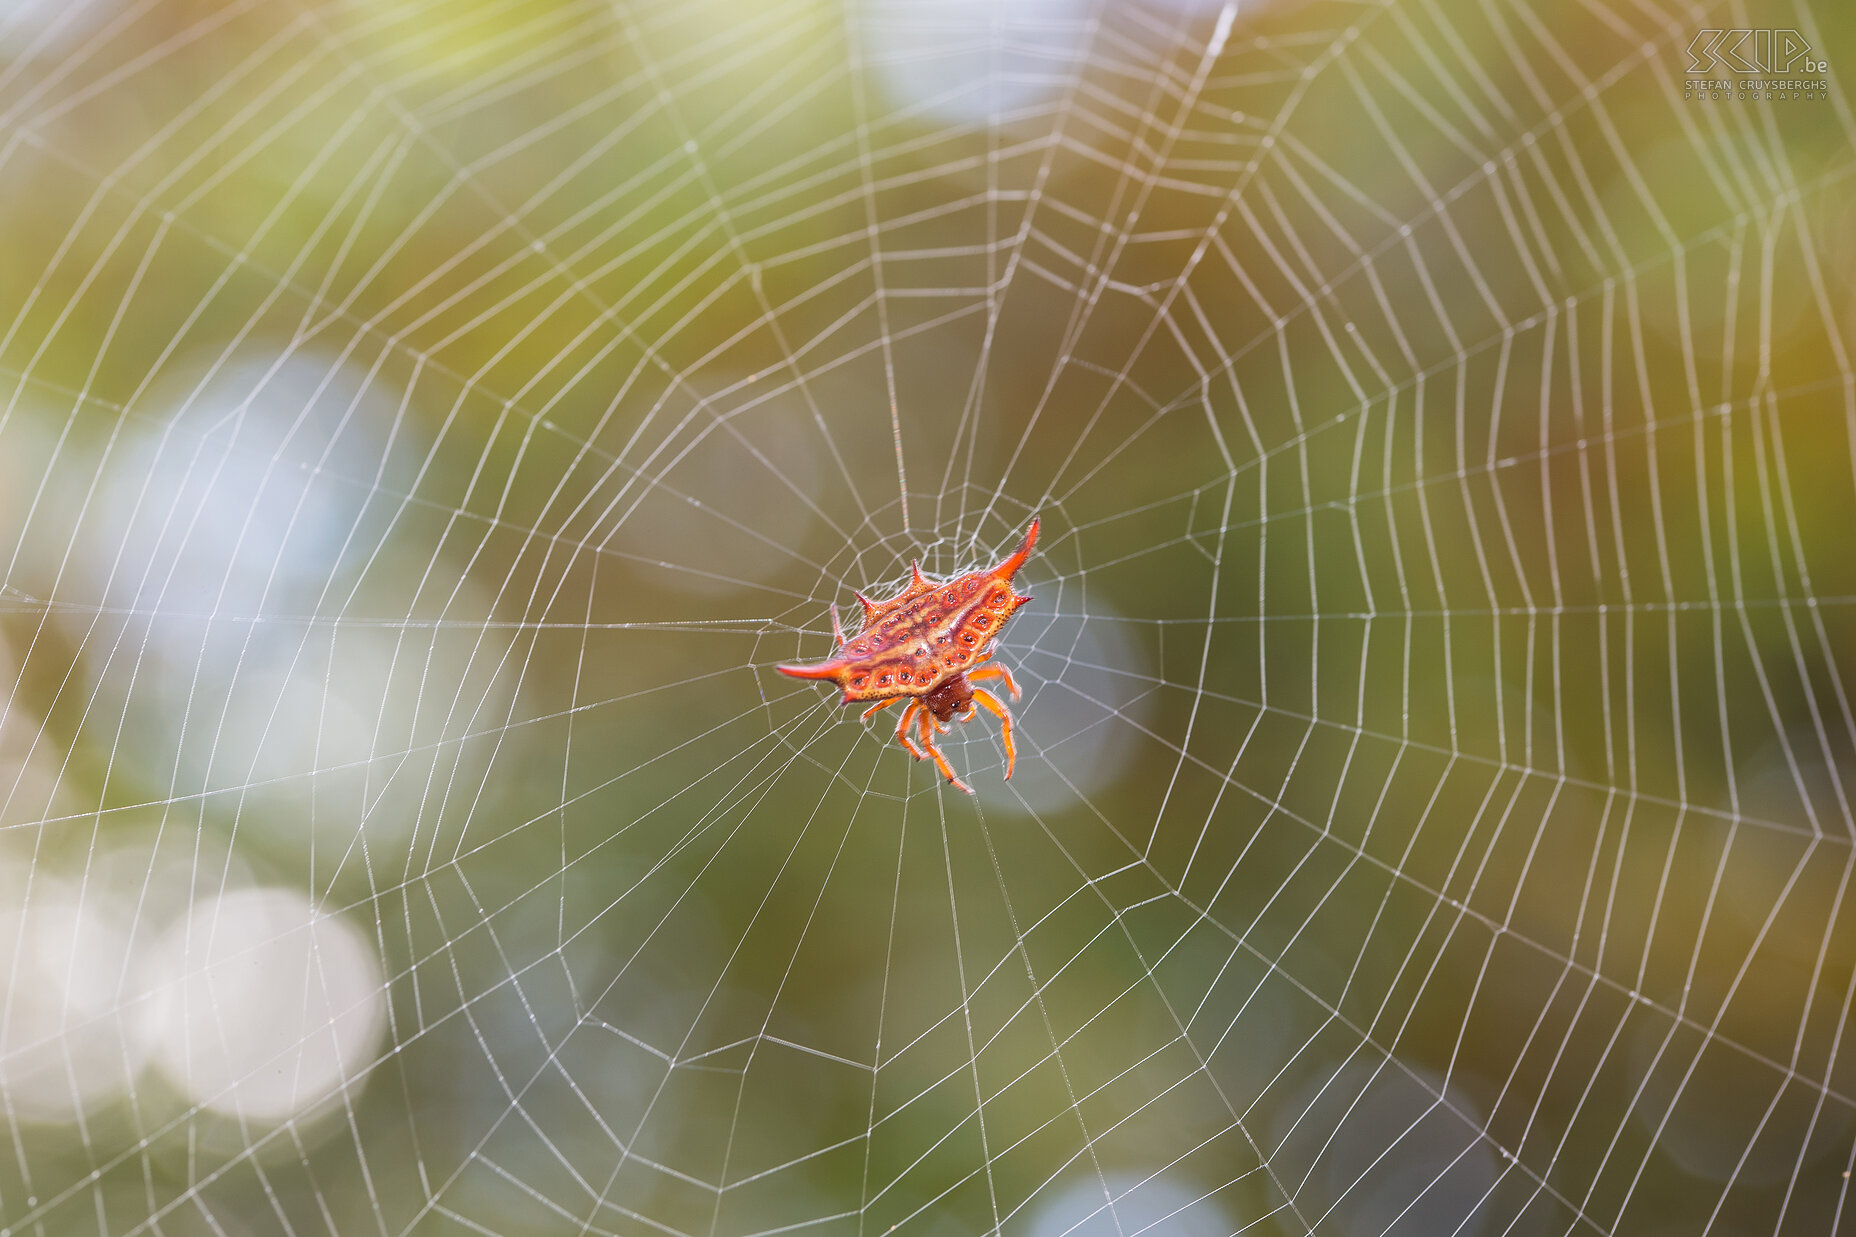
[[265, 1009]]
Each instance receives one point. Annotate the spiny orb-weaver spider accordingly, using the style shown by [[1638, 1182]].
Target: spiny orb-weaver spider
[[922, 643]]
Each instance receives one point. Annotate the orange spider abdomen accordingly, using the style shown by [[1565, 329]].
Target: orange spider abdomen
[[924, 635]]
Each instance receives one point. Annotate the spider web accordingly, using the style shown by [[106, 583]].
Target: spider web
[[425, 427]]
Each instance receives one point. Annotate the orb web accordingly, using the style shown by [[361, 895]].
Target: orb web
[[425, 427]]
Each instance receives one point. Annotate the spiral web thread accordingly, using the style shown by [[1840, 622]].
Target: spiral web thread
[[426, 426]]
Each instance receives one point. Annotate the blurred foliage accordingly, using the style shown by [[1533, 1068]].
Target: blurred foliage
[[1434, 785]]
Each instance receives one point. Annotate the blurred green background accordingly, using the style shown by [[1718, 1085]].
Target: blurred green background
[[424, 426]]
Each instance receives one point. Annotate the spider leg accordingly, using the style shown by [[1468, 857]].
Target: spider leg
[[996, 671], [939, 759], [876, 708], [902, 730], [986, 700]]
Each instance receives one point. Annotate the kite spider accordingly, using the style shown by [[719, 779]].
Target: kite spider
[[924, 645]]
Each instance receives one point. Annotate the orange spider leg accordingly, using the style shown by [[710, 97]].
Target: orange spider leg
[[986, 700], [928, 728], [902, 729], [993, 670], [878, 707]]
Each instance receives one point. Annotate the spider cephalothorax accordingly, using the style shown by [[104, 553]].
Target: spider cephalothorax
[[924, 643]]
